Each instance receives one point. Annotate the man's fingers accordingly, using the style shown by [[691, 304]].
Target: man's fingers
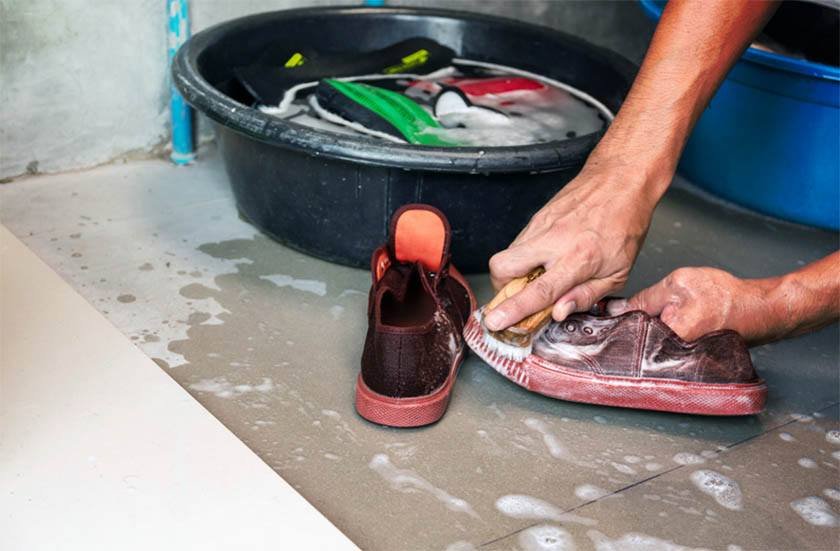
[[686, 322], [539, 294], [510, 263], [652, 300], [582, 297]]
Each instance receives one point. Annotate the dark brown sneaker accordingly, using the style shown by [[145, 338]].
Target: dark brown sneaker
[[417, 309], [635, 361]]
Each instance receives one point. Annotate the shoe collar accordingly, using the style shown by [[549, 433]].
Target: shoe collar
[[418, 234]]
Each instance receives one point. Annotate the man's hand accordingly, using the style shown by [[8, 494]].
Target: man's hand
[[696, 301], [587, 238]]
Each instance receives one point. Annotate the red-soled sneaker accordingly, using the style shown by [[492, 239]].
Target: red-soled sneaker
[[417, 308], [633, 361]]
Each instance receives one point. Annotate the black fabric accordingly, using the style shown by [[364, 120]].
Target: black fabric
[[268, 78], [336, 102]]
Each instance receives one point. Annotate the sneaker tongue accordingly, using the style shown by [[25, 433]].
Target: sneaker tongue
[[420, 233]]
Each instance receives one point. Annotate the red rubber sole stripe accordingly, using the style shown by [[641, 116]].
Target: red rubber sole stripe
[[406, 412], [549, 379]]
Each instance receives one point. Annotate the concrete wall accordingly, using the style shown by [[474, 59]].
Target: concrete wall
[[84, 83]]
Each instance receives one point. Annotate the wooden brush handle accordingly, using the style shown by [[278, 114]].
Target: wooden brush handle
[[532, 323]]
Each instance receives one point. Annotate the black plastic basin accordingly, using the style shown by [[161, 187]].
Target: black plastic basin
[[332, 195]]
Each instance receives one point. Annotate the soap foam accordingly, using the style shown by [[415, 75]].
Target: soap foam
[[832, 493], [787, 437], [633, 542], [833, 436], [622, 468], [527, 507], [461, 546], [222, 388], [807, 463], [815, 511], [590, 492], [307, 285], [545, 537], [723, 489], [555, 448], [687, 458], [407, 481]]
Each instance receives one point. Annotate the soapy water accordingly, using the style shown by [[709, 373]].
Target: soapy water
[[723, 489], [555, 111], [555, 447], [222, 388], [807, 463], [832, 493], [833, 437], [633, 542], [532, 508], [787, 437], [546, 537], [686, 458], [461, 546], [589, 492], [815, 511], [407, 481], [539, 117]]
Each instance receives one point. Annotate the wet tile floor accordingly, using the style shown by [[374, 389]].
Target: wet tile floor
[[268, 340]]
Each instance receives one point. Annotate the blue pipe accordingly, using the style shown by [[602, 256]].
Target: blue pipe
[[374, 3], [182, 133]]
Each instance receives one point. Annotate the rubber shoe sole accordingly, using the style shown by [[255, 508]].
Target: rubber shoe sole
[[555, 381]]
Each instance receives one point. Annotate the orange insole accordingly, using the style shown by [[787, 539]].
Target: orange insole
[[420, 236]]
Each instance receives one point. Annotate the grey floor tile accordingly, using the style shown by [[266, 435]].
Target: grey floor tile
[[269, 341], [778, 491]]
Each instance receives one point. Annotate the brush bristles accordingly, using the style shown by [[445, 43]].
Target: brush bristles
[[516, 353], [501, 348]]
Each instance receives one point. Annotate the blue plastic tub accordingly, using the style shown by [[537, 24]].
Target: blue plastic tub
[[770, 140]]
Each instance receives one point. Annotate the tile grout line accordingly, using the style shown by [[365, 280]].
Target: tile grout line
[[726, 447]]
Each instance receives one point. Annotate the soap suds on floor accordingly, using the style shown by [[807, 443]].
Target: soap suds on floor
[[461, 546], [589, 492], [807, 463], [686, 458], [555, 447], [407, 481], [545, 537], [723, 489], [532, 508], [340, 423], [815, 511], [653, 466], [832, 493], [633, 542], [222, 388], [624, 469], [833, 436], [307, 285], [787, 437]]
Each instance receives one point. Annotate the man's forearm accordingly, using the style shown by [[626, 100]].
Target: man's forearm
[[695, 45], [806, 299]]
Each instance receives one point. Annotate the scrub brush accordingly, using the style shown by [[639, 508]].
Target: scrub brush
[[503, 349]]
